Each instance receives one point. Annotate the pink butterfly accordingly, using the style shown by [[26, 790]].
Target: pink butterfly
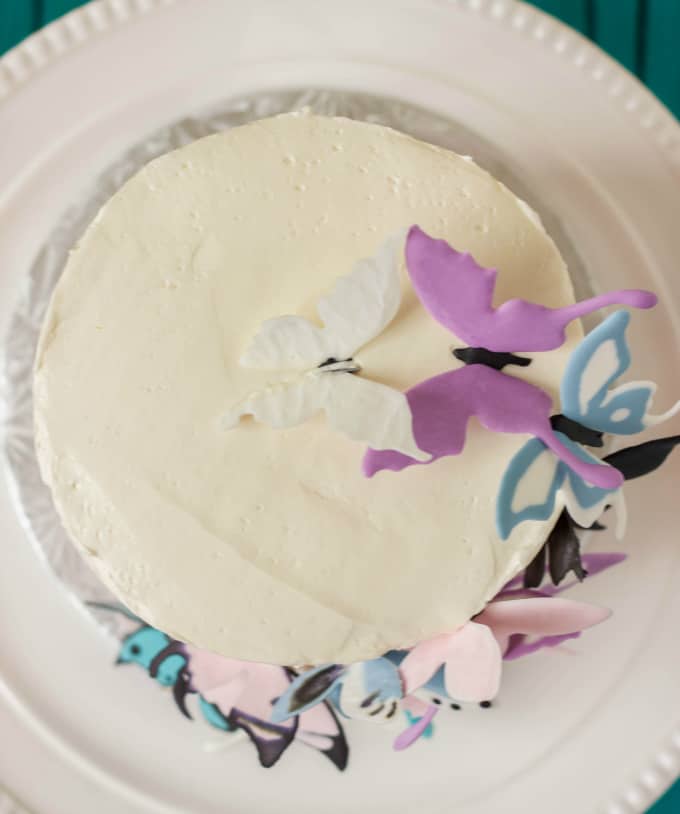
[[472, 656], [458, 293], [244, 692]]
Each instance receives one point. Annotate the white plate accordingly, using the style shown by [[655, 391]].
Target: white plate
[[599, 733]]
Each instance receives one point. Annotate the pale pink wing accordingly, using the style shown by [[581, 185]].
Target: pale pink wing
[[423, 661], [230, 683], [541, 616], [473, 664], [318, 719], [416, 706], [319, 728], [265, 684], [209, 670], [228, 695]]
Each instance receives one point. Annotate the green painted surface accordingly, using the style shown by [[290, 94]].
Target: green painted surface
[[51, 9], [17, 19], [615, 26], [574, 12], [644, 35], [661, 59]]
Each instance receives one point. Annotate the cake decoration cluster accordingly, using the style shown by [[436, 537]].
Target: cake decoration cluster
[[431, 419], [553, 472], [277, 707], [588, 404], [458, 294]]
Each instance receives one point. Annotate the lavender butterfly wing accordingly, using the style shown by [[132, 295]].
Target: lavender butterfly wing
[[443, 405], [452, 287], [458, 293]]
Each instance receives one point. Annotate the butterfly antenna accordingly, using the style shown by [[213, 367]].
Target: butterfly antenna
[[651, 420]]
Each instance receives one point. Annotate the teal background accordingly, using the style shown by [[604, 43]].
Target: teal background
[[644, 35]]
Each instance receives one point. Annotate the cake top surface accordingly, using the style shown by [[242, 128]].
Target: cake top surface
[[255, 542]]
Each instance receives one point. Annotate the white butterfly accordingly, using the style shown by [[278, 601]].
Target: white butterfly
[[358, 308]]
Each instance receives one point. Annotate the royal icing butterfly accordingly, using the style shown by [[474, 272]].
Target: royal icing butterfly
[[535, 481], [459, 294], [460, 667], [357, 310], [231, 696], [368, 690]]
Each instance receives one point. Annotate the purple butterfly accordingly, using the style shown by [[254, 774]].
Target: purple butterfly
[[459, 295]]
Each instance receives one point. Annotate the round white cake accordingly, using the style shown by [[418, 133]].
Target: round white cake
[[255, 542]]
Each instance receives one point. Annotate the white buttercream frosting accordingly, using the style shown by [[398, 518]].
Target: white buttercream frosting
[[258, 543]]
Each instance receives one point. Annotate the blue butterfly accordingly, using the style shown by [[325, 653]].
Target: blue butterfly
[[368, 689], [535, 480]]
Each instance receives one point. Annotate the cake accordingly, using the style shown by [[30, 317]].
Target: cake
[[242, 399]]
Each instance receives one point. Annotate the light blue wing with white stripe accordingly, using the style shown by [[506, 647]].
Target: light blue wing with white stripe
[[370, 690], [536, 482], [593, 368], [307, 690]]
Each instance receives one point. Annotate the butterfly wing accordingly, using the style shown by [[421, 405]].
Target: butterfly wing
[[306, 690], [361, 409], [367, 411], [287, 343], [554, 620], [641, 459], [529, 487], [541, 616], [586, 503], [370, 690], [598, 361], [320, 729], [283, 405], [362, 304], [472, 671], [270, 740], [443, 405], [536, 482], [458, 293], [441, 408], [357, 309]]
